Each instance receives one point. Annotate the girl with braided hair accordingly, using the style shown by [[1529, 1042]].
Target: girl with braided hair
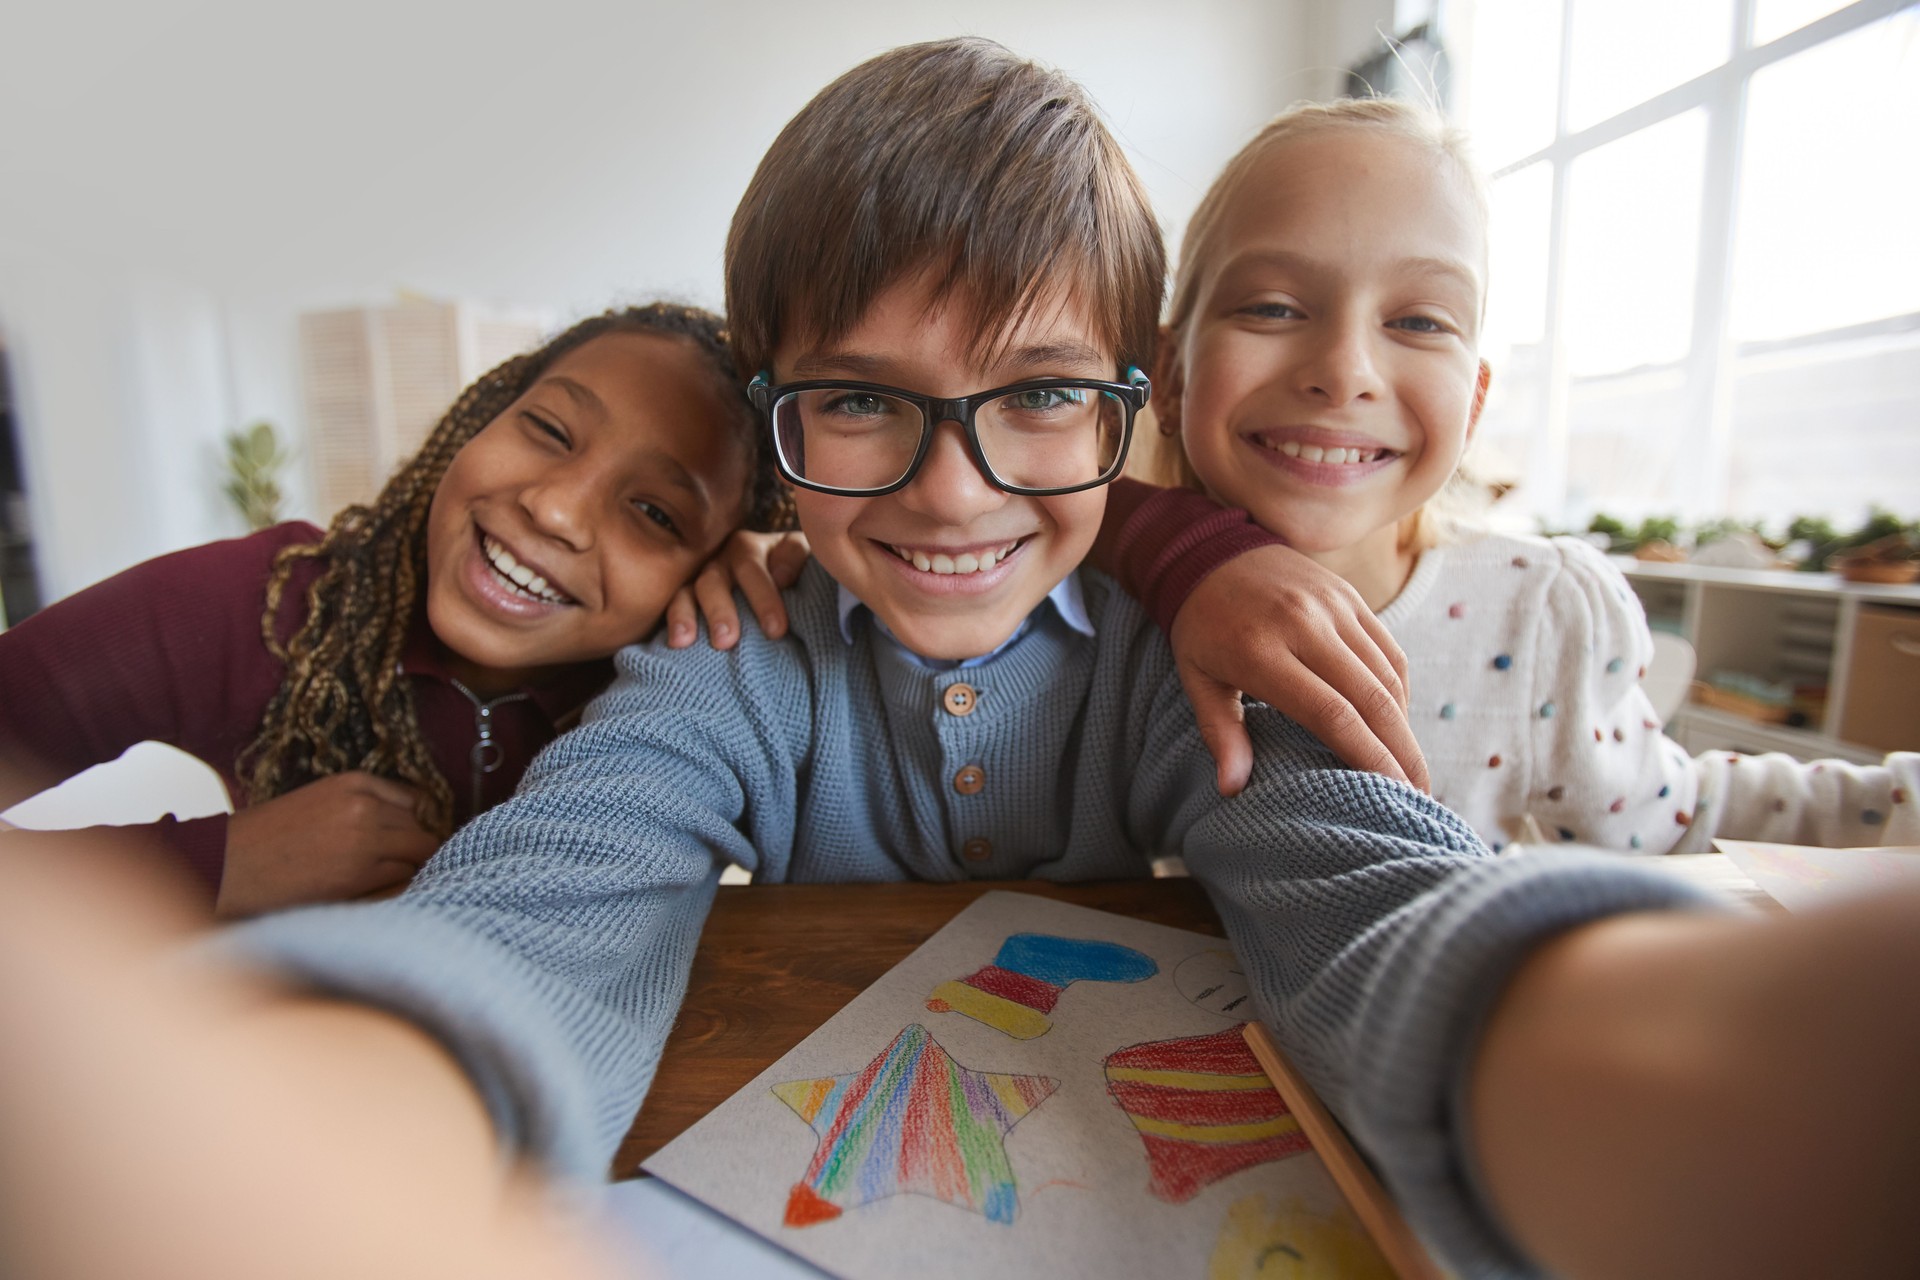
[[365, 689]]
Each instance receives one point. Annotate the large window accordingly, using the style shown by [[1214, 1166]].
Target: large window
[[1705, 287]]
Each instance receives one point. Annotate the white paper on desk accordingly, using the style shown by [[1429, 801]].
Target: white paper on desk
[[1801, 876], [1075, 1194]]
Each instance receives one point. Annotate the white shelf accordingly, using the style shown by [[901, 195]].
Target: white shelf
[[1796, 628]]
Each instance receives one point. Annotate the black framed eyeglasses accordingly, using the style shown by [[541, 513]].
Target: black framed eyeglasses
[[1039, 437]]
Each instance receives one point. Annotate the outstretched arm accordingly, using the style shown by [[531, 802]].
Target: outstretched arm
[[1679, 1096], [1244, 612], [276, 1136]]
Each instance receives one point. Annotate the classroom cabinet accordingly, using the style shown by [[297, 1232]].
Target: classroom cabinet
[[1851, 651]]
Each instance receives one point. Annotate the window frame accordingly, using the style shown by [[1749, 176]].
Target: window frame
[[1709, 364]]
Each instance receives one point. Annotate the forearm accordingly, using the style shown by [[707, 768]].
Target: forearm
[[1689, 1096], [271, 1134]]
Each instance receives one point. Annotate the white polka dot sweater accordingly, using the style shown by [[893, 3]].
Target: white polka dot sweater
[[1524, 658]]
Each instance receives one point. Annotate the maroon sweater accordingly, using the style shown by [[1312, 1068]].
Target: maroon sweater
[[170, 651]]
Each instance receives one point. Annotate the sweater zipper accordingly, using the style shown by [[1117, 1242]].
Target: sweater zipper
[[487, 755]]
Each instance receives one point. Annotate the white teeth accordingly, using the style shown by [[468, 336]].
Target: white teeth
[[966, 562], [523, 580], [1337, 457]]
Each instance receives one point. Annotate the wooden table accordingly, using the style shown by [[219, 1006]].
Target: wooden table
[[776, 961]]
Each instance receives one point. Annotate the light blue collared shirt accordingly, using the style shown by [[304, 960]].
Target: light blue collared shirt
[[1066, 599]]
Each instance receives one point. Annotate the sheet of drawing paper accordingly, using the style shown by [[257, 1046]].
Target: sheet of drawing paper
[[1799, 876], [1039, 1090]]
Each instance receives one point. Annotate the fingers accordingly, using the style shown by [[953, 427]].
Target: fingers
[[683, 619], [1390, 652], [1343, 712], [763, 597], [713, 589], [386, 791], [1223, 727], [788, 557]]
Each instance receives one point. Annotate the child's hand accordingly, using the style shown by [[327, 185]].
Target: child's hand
[[348, 835], [760, 564], [1275, 624]]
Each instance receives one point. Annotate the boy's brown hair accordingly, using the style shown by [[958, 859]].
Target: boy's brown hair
[[955, 157]]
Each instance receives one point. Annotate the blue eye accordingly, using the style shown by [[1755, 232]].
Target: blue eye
[[858, 404], [1421, 324], [1271, 311], [1040, 399]]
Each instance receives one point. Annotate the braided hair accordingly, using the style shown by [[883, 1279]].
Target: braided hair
[[343, 704]]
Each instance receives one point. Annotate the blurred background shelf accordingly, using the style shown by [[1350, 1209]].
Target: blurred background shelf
[[1811, 631]]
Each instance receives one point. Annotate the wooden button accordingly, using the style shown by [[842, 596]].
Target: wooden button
[[960, 699], [977, 850], [970, 780]]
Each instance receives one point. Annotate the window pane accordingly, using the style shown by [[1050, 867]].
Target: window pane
[[1825, 230], [1775, 18], [1626, 51], [1517, 274], [1514, 79], [1633, 234], [1827, 430], [1629, 442], [1627, 446]]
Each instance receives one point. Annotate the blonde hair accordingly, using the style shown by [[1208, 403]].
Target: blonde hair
[[1463, 494]]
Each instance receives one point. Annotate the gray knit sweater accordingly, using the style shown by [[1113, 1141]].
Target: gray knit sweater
[[548, 942]]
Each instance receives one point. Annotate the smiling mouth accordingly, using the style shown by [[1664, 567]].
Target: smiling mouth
[[518, 578], [965, 562], [1326, 456]]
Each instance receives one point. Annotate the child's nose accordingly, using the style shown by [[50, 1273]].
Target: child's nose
[[950, 486], [1341, 367], [561, 504]]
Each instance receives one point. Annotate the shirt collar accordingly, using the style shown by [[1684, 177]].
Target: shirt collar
[[1066, 598], [565, 692]]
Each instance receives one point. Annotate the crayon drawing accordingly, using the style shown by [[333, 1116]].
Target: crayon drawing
[[1288, 1241], [913, 1121], [1204, 1109], [1212, 980], [1018, 990]]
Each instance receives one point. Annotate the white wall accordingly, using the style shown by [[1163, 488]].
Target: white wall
[[178, 182]]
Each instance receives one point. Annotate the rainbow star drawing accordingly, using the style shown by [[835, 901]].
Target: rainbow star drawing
[[912, 1121]]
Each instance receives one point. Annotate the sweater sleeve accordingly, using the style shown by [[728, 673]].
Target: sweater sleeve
[[1832, 803], [1375, 930], [167, 651], [1158, 544], [1603, 773], [548, 942]]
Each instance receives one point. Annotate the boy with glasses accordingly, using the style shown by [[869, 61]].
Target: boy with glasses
[[944, 279]]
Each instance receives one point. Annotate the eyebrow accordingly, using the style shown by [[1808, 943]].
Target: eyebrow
[[1419, 266], [676, 474], [872, 367], [581, 393]]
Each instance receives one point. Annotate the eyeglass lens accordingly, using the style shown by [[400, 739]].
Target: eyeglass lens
[[1039, 438]]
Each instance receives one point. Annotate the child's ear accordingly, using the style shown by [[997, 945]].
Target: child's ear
[[1479, 396], [1167, 386]]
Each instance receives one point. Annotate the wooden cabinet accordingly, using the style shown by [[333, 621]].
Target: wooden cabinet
[[1807, 629]]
